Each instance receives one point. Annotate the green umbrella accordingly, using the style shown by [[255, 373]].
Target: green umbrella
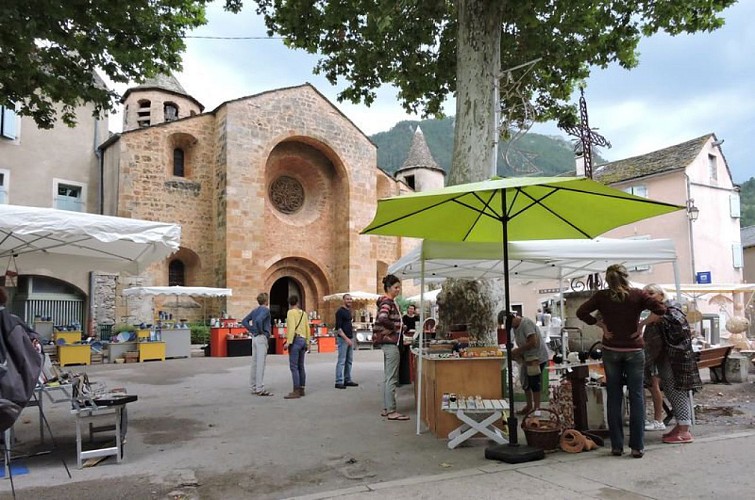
[[513, 209]]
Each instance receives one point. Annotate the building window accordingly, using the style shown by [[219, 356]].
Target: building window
[[178, 162], [69, 196], [640, 190], [4, 181], [176, 273], [287, 194], [143, 113], [170, 111], [713, 167], [8, 122], [410, 182]]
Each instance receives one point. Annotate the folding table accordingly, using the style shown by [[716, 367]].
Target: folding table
[[478, 417]]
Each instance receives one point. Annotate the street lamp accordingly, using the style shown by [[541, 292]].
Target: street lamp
[[692, 214], [692, 211]]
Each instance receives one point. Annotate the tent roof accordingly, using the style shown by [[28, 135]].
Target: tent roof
[[536, 259], [49, 238], [698, 289], [354, 295], [188, 291]]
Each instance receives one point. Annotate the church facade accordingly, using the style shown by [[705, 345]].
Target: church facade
[[271, 192]]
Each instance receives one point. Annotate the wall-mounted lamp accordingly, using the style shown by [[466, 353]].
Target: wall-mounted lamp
[[692, 211]]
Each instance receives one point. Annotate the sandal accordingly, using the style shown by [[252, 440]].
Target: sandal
[[384, 413], [680, 437], [263, 393], [397, 416]]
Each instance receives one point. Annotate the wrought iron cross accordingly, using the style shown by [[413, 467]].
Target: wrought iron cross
[[587, 137]]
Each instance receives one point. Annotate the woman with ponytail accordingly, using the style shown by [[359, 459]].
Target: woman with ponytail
[[619, 308]]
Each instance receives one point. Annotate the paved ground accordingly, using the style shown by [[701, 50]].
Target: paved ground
[[196, 432]]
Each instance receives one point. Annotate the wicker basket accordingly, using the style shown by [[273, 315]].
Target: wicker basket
[[542, 433]]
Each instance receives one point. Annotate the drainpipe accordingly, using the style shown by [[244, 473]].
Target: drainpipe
[[101, 167], [691, 234]]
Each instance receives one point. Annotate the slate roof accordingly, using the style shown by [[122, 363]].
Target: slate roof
[[747, 236], [419, 154], [664, 160]]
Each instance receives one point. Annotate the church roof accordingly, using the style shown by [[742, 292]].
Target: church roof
[[676, 157], [419, 154], [164, 82]]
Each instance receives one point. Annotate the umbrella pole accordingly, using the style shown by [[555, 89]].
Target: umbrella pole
[[512, 452], [421, 335]]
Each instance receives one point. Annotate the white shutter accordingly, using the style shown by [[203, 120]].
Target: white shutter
[[734, 206], [9, 125], [736, 255]]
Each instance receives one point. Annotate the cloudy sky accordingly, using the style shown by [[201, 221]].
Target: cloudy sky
[[684, 86]]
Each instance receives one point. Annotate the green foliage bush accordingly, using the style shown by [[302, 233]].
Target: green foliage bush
[[200, 334]]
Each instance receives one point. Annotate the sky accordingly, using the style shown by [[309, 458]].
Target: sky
[[684, 86]]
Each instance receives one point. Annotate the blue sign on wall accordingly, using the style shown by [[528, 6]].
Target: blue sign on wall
[[703, 278]]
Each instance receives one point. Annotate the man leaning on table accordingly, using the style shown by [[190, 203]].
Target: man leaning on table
[[259, 325], [345, 341]]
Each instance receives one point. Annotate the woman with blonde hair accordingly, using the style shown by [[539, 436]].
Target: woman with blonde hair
[[675, 363], [620, 307]]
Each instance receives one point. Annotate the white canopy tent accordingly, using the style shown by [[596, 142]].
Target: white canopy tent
[[186, 291], [357, 296], [178, 291], [535, 259], [34, 239]]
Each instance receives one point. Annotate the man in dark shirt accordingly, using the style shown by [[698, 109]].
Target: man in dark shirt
[[345, 341], [259, 325]]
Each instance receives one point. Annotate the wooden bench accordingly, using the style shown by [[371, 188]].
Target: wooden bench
[[715, 359]]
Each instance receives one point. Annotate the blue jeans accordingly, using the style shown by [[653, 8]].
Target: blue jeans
[[631, 365], [296, 352], [345, 357]]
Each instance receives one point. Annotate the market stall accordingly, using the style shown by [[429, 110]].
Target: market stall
[[540, 259], [177, 336]]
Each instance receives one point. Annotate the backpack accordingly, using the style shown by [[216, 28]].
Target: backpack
[[20, 365]]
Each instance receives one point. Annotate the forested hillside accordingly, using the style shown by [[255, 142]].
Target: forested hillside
[[747, 202], [533, 154]]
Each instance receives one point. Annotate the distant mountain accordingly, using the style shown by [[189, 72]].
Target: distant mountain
[[532, 154]]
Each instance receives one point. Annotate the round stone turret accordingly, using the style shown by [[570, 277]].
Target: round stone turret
[[157, 100]]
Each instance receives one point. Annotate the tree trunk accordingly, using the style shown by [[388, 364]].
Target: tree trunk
[[478, 63]]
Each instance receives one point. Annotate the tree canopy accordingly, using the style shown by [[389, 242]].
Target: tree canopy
[[423, 47], [50, 50]]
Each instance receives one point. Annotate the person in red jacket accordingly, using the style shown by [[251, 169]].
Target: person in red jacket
[[620, 307]]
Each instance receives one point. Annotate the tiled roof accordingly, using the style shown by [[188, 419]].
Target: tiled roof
[[664, 160], [419, 154], [164, 82], [747, 236]]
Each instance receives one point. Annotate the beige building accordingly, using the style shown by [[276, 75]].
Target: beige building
[[55, 168], [706, 236], [270, 190]]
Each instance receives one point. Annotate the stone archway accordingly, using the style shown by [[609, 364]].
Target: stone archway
[[281, 290], [296, 275]]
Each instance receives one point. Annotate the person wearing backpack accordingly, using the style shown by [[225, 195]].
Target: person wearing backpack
[[675, 363], [20, 364]]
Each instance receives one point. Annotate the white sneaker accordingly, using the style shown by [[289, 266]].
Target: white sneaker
[[655, 425]]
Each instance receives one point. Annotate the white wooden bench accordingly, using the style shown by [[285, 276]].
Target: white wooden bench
[[479, 417]]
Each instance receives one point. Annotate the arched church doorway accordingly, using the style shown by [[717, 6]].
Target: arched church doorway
[[281, 290]]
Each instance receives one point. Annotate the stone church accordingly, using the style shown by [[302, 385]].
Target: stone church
[[271, 191]]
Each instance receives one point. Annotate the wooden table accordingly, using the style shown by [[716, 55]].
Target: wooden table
[[491, 411], [462, 376]]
